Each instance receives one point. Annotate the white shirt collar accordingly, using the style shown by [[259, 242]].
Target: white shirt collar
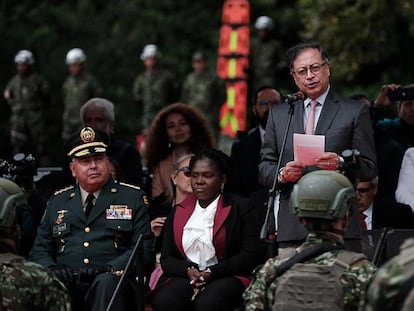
[[368, 219], [321, 99], [84, 194], [262, 133]]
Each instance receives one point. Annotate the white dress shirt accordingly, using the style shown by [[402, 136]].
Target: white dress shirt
[[198, 235], [368, 218]]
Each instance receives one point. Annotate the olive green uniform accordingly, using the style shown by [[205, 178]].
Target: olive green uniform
[[265, 57], [67, 236], [206, 92], [28, 98], [25, 285], [153, 91], [76, 91], [383, 291], [261, 293]]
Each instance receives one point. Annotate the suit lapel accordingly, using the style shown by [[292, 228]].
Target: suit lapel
[[328, 114], [219, 230], [297, 120], [183, 212]]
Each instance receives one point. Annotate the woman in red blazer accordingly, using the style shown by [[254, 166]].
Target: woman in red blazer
[[211, 243]]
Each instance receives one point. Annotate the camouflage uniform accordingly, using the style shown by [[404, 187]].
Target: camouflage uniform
[[260, 293], [28, 98], [382, 293], [153, 91], [206, 92], [265, 57], [25, 285], [76, 91]]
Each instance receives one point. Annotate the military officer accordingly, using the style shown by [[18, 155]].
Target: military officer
[[27, 93], [155, 88], [204, 90], [89, 229], [77, 89], [24, 285]]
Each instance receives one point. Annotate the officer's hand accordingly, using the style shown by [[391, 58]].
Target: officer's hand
[[63, 272], [89, 272]]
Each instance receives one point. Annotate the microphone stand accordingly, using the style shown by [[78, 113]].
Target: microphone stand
[[268, 230]]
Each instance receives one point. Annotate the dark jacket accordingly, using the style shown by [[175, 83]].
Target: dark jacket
[[235, 237]]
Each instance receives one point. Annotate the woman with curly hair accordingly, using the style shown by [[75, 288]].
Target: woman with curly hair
[[177, 129]]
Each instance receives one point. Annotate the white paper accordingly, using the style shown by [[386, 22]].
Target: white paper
[[307, 148]]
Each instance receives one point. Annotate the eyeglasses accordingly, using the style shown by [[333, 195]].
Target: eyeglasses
[[363, 191], [303, 71], [267, 102], [186, 171]]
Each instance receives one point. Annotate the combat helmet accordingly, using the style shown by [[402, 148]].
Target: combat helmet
[[263, 22], [150, 50], [12, 200], [75, 56], [24, 56], [322, 194]]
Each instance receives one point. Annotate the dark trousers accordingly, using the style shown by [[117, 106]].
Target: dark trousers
[[96, 296], [224, 294]]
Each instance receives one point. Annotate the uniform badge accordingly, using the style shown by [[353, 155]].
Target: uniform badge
[[119, 212], [60, 216], [87, 135]]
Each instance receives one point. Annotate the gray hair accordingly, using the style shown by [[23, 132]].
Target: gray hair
[[180, 160], [99, 104]]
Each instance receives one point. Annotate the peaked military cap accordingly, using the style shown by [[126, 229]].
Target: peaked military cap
[[87, 143]]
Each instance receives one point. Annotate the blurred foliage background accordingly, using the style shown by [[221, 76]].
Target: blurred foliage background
[[370, 42]]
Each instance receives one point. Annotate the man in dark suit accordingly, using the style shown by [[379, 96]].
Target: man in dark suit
[[345, 123], [245, 152], [377, 213], [89, 230]]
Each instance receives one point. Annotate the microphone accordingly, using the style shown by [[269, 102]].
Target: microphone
[[291, 98]]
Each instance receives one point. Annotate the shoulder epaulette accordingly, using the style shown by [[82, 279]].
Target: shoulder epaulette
[[63, 190], [129, 185]]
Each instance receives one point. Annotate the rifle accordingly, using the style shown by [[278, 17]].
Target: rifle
[[126, 271]]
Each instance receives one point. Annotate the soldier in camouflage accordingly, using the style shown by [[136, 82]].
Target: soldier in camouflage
[[204, 90], [325, 211], [79, 87], [392, 287], [24, 285], [153, 89], [265, 56], [27, 93]]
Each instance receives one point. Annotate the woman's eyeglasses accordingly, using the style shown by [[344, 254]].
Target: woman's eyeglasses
[[186, 171]]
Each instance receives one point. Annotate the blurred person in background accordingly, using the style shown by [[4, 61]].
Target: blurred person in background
[[28, 95], [77, 89], [154, 88], [203, 89], [124, 157], [178, 129]]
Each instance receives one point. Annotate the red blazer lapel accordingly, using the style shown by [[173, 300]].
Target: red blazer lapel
[[183, 212], [219, 229]]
